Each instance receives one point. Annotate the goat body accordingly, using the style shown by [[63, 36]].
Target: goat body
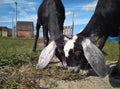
[[51, 15]]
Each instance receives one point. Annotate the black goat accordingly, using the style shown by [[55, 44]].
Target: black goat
[[51, 15], [80, 50]]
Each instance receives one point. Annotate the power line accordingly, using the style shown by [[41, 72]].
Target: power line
[[80, 7]]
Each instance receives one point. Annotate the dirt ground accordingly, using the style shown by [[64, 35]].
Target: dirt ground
[[53, 77], [87, 83], [90, 82]]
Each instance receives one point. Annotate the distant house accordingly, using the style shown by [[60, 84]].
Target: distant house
[[3, 31], [9, 32], [24, 29], [68, 30]]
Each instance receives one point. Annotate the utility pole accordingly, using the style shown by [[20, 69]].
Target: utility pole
[[72, 24], [13, 33], [16, 19]]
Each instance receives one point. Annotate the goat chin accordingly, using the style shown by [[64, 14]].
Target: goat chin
[[46, 55]]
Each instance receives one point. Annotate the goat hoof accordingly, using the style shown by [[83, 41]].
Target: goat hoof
[[115, 73], [114, 77]]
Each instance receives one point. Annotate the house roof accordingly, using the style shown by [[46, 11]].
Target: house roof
[[25, 25], [3, 27]]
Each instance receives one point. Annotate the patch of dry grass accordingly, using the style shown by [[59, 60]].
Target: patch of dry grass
[[27, 77]]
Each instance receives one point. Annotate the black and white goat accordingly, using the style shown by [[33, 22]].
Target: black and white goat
[[51, 15], [81, 50]]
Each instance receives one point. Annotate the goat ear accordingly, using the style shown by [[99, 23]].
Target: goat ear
[[94, 57], [46, 55]]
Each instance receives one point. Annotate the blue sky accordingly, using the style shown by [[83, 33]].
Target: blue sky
[[27, 11]]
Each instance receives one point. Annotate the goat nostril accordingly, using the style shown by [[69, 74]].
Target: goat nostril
[[64, 64], [69, 69], [81, 72], [73, 69]]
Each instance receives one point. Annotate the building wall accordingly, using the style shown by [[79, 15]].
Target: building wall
[[24, 29], [3, 32], [68, 31], [24, 34], [0, 33]]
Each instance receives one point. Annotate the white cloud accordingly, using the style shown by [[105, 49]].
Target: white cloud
[[90, 6], [81, 21], [32, 18], [28, 18], [77, 21], [4, 17], [31, 3], [6, 1], [11, 12], [68, 13], [30, 9], [4, 21]]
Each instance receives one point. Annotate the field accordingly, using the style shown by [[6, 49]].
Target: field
[[18, 66]]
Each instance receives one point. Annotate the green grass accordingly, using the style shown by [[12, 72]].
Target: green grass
[[111, 51], [17, 65], [16, 52]]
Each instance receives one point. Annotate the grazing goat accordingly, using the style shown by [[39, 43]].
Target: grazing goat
[[51, 15], [80, 50]]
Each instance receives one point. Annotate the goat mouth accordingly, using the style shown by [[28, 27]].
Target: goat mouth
[[77, 70], [73, 69]]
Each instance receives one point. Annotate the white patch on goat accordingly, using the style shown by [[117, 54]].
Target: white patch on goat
[[69, 45], [66, 39]]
